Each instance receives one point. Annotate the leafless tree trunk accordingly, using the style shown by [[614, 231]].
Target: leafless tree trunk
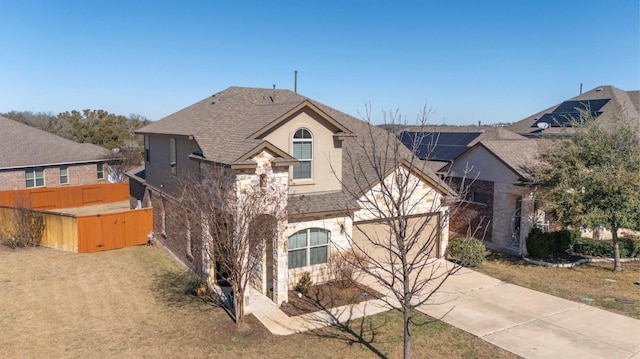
[[238, 214], [388, 179]]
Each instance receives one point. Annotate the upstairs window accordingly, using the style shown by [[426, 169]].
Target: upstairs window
[[147, 154], [34, 177], [64, 175], [172, 155], [100, 170], [303, 152]]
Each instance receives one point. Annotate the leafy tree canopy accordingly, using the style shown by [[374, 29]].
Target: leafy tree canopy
[[592, 179]]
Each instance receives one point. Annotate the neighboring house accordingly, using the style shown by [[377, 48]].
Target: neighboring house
[[501, 205], [31, 158], [310, 148], [495, 163], [489, 165], [602, 103]]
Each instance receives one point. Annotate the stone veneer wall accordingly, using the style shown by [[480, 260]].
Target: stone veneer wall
[[505, 197], [424, 199], [338, 239]]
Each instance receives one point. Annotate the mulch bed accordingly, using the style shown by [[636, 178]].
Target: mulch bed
[[328, 295]]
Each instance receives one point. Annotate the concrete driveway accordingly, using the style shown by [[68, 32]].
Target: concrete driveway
[[532, 324]]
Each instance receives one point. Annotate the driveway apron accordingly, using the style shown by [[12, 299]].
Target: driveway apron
[[532, 324]]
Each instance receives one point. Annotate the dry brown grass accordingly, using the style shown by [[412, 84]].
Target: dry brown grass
[[595, 280], [131, 303]]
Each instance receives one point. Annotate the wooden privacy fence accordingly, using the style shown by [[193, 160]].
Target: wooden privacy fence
[[66, 197], [90, 233]]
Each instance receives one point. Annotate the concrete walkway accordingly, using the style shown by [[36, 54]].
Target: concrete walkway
[[525, 322], [532, 324]]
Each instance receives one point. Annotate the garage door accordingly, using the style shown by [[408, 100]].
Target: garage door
[[367, 231]]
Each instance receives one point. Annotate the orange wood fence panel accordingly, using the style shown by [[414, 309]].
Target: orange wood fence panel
[[68, 196], [114, 230]]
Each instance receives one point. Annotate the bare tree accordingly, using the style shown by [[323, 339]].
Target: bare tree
[[122, 160], [237, 213], [27, 226], [389, 181]]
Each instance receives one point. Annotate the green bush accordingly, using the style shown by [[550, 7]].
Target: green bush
[[304, 283], [629, 247], [537, 244], [553, 244], [468, 252], [562, 242]]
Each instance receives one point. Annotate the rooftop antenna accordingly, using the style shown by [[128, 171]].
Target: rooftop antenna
[[581, 88], [295, 81]]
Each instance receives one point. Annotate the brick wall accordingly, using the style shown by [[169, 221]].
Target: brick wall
[[82, 174], [171, 231], [12, 180], [471, 216]]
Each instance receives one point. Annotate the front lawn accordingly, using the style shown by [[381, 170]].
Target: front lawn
[[131, 303], [594, 283]]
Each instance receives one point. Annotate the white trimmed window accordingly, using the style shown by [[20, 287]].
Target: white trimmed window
[[34, 177], [308, 247], [303, 152], [100, 170], [64, 175]]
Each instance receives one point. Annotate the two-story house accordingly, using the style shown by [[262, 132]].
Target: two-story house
[[318, 153]]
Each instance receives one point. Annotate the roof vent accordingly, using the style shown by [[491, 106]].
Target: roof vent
[[273, 94], [599, 89]]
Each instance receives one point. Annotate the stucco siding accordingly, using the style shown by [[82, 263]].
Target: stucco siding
[[480, 164], [327, 152]]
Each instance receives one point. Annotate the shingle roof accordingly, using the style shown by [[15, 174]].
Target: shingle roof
[[25, 146], [520, 155], [223, 124], [228, 117], [628, 101], [320, 202]]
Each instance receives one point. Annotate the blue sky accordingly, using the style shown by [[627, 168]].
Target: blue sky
[[490, 61]]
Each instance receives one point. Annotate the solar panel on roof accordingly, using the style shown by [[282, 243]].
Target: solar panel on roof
[[569, 111], [437, 146], [577, 106]]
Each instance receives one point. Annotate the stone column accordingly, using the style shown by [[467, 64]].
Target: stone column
[[528, 216], [443, 217], [280, 267]]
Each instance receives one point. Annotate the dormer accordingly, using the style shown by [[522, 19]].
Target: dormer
[[314, 138]]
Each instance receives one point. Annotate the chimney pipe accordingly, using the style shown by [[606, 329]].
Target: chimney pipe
[[581, 88], [295, 81]]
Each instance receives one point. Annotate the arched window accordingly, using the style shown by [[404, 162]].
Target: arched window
[[303, 152], [308, 247]]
